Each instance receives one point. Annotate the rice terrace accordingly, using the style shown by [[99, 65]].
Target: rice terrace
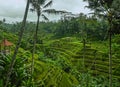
[[60, 43]]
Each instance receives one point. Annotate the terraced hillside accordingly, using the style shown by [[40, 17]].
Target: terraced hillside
[[96, 61], [47, 75], [71, 53], [61, 63]]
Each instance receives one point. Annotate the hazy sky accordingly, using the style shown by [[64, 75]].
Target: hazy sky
[[13, 10]]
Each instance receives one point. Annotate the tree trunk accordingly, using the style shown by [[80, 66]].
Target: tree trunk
[[34, 47], [84, 49], [18, 44], [110, 54]]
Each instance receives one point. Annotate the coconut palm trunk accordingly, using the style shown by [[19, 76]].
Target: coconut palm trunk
[[110, 53], [17, 45], [34, 45], [40, 7]]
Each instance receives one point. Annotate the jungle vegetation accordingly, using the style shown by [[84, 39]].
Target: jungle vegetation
[[76, 51]]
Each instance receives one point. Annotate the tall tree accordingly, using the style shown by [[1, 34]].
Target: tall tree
[[41, 8], [108, 9], [18, 44]]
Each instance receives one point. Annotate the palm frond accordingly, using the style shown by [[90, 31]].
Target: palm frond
[[37, 3], [41, 2], [33, 3], [48, 4], [44, 17], [32, 10], [53, 11]]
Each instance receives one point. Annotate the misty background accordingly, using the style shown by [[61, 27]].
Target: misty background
[[13, 10]]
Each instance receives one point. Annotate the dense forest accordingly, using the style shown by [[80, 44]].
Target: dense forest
[[76, 51]]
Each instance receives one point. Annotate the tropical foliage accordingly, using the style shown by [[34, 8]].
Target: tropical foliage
[[72, 52]]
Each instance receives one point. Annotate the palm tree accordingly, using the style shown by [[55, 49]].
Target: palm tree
[[109, 9], [18, 44], [41, 8]]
